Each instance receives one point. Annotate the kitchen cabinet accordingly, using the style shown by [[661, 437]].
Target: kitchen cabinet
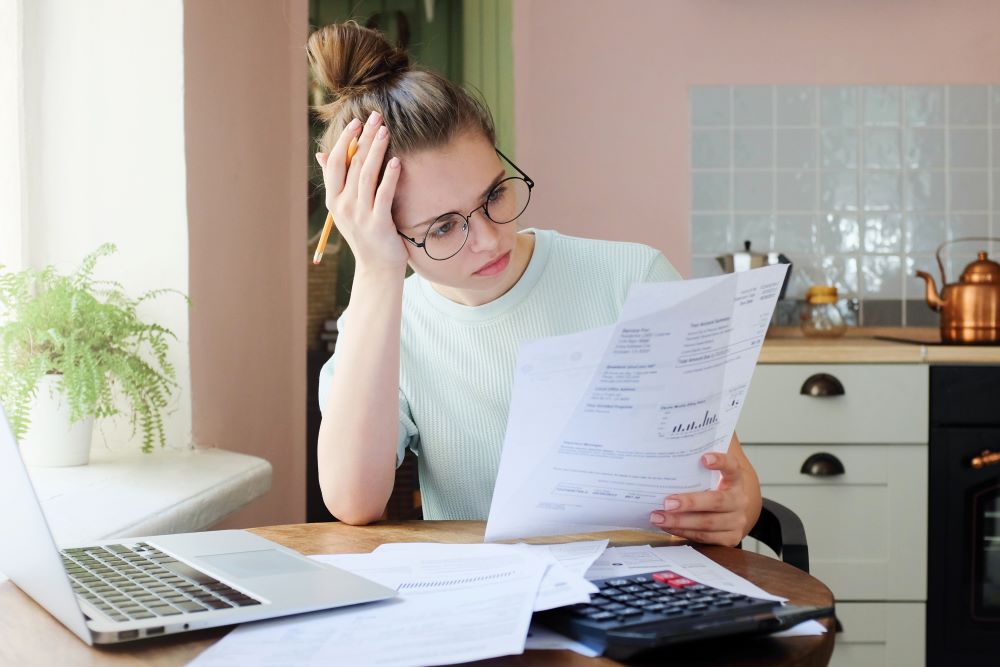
[[852, 463]]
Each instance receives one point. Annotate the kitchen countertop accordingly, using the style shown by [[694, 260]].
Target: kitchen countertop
[[788, 345]]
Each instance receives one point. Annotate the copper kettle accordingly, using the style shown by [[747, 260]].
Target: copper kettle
[[970, 308]]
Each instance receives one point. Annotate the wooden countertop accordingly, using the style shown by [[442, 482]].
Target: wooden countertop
[[788, 345]]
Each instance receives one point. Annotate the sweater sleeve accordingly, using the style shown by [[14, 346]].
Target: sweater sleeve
[[660, 270], [408, 435]]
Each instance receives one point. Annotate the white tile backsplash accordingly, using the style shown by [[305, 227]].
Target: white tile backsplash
[[882, 276], [968, 105], [838, 147], [710, 105], [838, 190], [710, 191], [925, 148], [710, 149], [838, 233], [883, 233], [753, 190], [796, 105], [795, 191], [858, 185], [882, 148], [969, 148], [926, 190], [882, 191], [969, 190], [924, 232], [753, 105], [924, 105], [753, 148], [881, 105], [795, 148], [758, 228], [838, 106]]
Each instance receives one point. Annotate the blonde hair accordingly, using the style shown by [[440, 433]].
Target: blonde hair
[[365, 73]]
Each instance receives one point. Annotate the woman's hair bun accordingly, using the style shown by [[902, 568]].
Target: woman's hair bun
[[348, 59]]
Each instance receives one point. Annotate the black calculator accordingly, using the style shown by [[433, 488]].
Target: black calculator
[[630, 615]]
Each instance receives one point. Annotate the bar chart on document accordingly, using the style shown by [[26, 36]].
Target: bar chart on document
[[640, 404]]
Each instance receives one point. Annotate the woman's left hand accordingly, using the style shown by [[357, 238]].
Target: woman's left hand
[[713, 517]]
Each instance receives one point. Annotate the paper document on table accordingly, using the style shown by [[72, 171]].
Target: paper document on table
[[563, 583], [465, 609], [605, 423]]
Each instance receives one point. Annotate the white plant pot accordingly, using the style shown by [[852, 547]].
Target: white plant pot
[[51, 440]]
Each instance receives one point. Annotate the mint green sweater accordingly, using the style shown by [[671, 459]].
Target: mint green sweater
[[457, 362]]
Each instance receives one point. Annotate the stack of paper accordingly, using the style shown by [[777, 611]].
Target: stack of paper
[[460, 602], [456, 603]]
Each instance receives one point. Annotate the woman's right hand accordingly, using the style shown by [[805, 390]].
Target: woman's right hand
[[360, 206]]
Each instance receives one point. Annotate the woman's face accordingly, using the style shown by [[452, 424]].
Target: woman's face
[[457, 178]]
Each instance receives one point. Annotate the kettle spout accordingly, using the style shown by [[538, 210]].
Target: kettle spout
[[933, 299]]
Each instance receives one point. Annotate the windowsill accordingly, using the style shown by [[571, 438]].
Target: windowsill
[[133, 494]]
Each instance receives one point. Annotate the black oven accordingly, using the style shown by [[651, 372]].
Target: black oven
[[963, 564]]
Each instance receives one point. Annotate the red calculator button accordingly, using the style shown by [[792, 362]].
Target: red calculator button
[[665, 577], [680, 582]]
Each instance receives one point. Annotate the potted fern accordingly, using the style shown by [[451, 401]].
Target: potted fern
[[70, 345]]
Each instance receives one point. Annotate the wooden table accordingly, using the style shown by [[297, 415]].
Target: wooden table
[[29, 636]]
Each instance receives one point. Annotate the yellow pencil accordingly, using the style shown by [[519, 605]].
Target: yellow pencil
[[328, 225]]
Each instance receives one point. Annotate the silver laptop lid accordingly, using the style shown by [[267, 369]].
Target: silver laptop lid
[[28, 554]]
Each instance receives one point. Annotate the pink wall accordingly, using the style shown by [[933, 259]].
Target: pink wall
[[246, 143], [601, 105]]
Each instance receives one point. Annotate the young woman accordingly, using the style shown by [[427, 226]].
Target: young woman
[[427, 362]]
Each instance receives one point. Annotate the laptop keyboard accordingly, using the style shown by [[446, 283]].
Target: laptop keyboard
[[132, 582]]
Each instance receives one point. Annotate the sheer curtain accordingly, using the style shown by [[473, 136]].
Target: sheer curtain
[[12, 200], [102, 158]]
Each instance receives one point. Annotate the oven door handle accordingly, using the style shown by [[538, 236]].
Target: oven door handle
[[985, 459]]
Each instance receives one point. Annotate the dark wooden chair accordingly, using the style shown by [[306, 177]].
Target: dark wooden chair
[[782, 531]]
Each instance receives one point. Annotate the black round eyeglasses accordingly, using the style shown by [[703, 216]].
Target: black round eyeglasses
[[447, 234]]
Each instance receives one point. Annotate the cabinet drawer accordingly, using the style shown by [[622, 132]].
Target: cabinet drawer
[[876, 634], [884, 403], [866, 528]]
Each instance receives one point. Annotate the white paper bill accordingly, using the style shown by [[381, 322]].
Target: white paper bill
[[445, 614], [561, 586], [605, 423]]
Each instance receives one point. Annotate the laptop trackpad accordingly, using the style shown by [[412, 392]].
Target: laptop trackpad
[[261, 563]]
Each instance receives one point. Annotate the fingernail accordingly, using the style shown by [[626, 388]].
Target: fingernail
[[372, 119], [394, 163], [656, 518], [317, 158], [382, 132], [710, 459], [671, 504], [354, 124]]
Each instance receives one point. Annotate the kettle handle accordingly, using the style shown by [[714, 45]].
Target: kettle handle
[[937, 253]]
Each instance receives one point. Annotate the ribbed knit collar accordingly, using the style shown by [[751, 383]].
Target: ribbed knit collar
[[510, 299]]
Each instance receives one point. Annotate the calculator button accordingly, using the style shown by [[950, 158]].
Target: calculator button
[[602, 616]]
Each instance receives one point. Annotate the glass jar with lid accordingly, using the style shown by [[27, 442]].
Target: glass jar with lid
[[820, 316]]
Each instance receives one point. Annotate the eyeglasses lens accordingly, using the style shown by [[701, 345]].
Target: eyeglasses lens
[[504, 204]]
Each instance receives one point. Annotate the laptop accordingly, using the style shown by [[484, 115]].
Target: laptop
[[132, 588]]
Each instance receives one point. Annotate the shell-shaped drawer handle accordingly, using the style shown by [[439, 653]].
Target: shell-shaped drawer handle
[[822, 384], [822, 464]]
